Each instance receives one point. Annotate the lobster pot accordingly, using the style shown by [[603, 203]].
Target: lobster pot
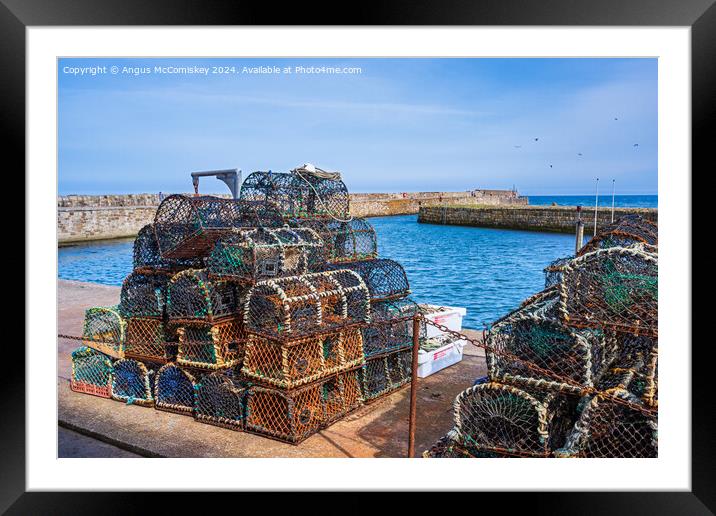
[[614, 288], [340, 394], [553, 272], [91, 372], [259, 254], [147, 340], [132, 383], [296, 306], [211, 346], [391, 327], [610, 429], [386, 373], [345, 241], [105, 330], [220, 401], [298, 195], [146, 257], [143, 295], [627, 231], [186, 227], [385, 279], [289, 364], [193, 297], [289, 416], [502, 418], [531, 346], [174, 390]]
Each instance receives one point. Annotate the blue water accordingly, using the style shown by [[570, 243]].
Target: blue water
[[488, 271], [605, 200]]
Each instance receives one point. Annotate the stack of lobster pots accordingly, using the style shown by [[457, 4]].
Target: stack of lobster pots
[[269, 314], [573, 371]]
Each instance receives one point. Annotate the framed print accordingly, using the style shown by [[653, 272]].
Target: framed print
[[322, 256]]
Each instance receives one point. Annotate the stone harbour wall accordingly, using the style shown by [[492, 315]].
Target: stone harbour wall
[[99, 217], [559, 219]]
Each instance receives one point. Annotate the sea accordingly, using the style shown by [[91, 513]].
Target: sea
[[487, 271]]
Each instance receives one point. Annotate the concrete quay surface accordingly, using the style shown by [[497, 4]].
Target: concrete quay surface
[[109, 428]]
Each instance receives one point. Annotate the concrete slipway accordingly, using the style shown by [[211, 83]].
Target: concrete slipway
[[379, 429]]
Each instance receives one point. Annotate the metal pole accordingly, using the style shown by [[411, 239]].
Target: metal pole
[[596, 207], [413, 387], [579, 231], [612, 201]]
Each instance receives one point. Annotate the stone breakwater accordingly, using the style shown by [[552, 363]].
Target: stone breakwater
[[98, 217], [560, 219]]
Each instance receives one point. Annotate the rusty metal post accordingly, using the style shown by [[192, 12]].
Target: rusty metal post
[[413, 386]]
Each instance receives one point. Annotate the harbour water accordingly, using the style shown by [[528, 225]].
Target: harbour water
[[488, 271]]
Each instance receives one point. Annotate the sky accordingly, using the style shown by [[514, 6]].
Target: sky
[[544, 126]]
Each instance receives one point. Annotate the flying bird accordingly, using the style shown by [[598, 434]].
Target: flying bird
[[579, 154], [636, 145], [518, 146], [615, 118], [536, 139], [550, 166]]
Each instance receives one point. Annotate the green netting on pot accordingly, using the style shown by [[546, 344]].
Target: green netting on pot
[[531, 346], [192, 296], [627, 231], [609, 429], [298, 195], [384, 374], [146, 256], [385, 279], [132, 382], [615, 288], [91, 372], [174, 390], [340, 395], [104, 330], [147, 339], [296, 306], [259, 254], [391, 326], [220, 401], [502, 418], [143, 295], [345, 241]]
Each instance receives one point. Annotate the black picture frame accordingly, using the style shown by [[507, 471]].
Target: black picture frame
[[700, 15]]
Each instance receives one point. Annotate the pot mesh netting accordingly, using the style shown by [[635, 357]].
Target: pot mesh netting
[[385, 279], [174, 390], [345, 241], [298, 196], [533, 346], [253, 255], [220, 401], [192, 297], [91, 372], [615, 288], [303, 305], [132, 382]]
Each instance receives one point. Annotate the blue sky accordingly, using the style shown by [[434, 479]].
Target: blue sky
[[398, 125]]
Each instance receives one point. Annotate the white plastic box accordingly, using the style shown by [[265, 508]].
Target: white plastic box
[[450, 349], [449, 316], [449, 353]]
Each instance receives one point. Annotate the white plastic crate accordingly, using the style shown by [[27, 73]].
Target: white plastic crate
[[449, 316], [447, 354]]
